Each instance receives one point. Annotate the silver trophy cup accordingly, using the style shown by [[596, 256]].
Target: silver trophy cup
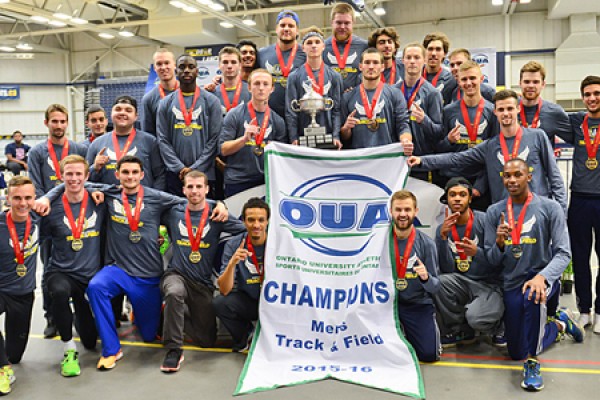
[[312, 103]]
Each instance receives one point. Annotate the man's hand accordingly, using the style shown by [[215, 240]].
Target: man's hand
[[337, 144], [252, 130], [537, 288], [476, 193], [448, 223], [469, 247], [184, 171], [408, 147], [211, 87], [421, 270], [98, 197], [100, 160], [220, 213], [220, 164], [42, 206], [502, 232], [413, 160], [351, 122], [454, 134], [241, 254], [417, 112]]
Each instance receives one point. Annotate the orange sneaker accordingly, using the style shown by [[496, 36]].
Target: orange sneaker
[[106, 363]]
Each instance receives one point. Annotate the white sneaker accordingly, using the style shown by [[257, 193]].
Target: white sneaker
[[585, 320], [597, 325]]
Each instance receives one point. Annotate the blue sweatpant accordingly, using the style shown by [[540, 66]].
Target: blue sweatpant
[[421, 330], [144, 294], [527, 330]]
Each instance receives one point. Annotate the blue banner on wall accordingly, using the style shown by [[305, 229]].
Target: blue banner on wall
[[12, 92]]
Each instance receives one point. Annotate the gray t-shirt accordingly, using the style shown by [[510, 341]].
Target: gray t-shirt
[[357, 47], [584, 181], [150, 103], [487, 92], [553, 120], [247, 274], [230, 92]]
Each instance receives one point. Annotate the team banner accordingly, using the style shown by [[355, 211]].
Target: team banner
[[10, 92], [327, 307]]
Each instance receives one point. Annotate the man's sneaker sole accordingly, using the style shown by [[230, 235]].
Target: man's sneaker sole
[[171, 369], [531, 388]]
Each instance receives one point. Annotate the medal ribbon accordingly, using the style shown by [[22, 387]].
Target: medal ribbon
[[341, 60], [392, 79], [18, 247], [55, 161], [76, 229], [286, 68], [410, 97], [197, 238], [435, 78], [402, 263], [161, 89], [515, 149], [592, 148], [236, 95], [250, 248], [320, 85], [458, 94], [263, 127], [187, 114], [536, 118], [472, 128], [516, 230], [134, 220], [115, 141], [369, 108], [456, 238]]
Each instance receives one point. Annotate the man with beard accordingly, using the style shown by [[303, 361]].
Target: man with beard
[[526, 236], [189, 124], [437, 46], [164, 65], [321, 79], [457, 58], [249, 53], [513, 141], [281, 58], [415, 264], [387, 41], [470, 296], [343, 49], [375, 114], [96, 121]]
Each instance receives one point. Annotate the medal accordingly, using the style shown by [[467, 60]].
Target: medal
[[402, 262], [76, 228], [515, 150], [21, 270], [260, 137], [259, 151], [236, 96], [55, 161], [195, 257], [372, 124], [119, 154], [341, 59], [187, 113], [344, 73], [285, 68], [472, 129], [261, 271], [133, 218], [536, 118], [188, 131], [196, 238], [592, 148], [18, 246], [463, 265], [516, 248], [401, 284]]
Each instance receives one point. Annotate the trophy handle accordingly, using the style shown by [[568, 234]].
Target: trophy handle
[[295, 105], [328, 104]]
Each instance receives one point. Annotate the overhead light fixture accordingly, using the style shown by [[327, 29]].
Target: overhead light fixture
[[4, 1], [217, 6], [7, 49], [497, 2], [524, 1], [79, 21], [24, 46], [379, 10], [60, 15], [39, 18], [126, 33], [56, 23], [190, 9], [105, 35], [225, 24], [248, 21], [177, 4], [205, 2]]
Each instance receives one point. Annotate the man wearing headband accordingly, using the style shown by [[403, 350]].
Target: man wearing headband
[[281, 58], [107, 150], [323, 80], [470, 296], [343, 49], [387, 41]]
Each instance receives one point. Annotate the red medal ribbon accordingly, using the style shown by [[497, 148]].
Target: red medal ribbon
[[515, 149], [55, 161], [261, 271], [320, 85], [341, 60], [369, 108], [414, 92], [115, 141], [536, 118], [473, 128], [76, 228], [187, 114], [392, 79], [263, 127], [197, 238], [285, 68], [592, 148], [236, 95], [516, 230], [458, 94], [161, 90], [456, 238], [18, 247], [435, 78], [134, 220], [402, 262]]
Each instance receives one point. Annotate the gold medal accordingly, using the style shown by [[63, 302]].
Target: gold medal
[[472, 144], [135, 236], [259, 151], [463, 265], [591, 164], [283, 82], [373, 125], [77, 244], [401, 284], [21, 270], [195, 257], [188, 131], [517, 251], [344, 74]]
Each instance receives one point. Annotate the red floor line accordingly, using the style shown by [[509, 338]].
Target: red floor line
[[543, 360]]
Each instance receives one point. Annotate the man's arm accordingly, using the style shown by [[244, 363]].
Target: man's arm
[[35, 162], [157, 167], [555, 179], [164, 132], [228, 142], [148, 121], [215, 118], [561, 248], [232, 255], [291, 117]]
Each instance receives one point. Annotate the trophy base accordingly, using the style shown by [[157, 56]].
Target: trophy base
[[317, 141], [317, 131]]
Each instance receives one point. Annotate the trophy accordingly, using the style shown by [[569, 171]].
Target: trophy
[[312, 103]]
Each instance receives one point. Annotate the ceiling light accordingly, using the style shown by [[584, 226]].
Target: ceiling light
[[39, 18], [190, 9], [497, 2], [126, 34], [56, 23], [248, 21], [379, 10], [177, 4], [217, 6], [226, 24], [79, 21], [24, 46], [205, 2], [105, 35], [60, 15], [4, 1], [524, 1], [6, 48]]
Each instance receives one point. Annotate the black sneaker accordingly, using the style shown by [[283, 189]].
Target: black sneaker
[[50, 330], [172, 361]]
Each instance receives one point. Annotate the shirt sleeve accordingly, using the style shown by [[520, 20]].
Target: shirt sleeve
[[209, 152], [164, 133]]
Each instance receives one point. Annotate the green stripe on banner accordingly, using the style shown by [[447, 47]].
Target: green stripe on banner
[[324, 158]]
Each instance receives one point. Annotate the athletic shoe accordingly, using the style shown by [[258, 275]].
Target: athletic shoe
[[70, 364], [453, 339], [50, 330], [5, 380], [532, 377], [597, 324], [106, 363], [572, 327], [499, 341], [244, 345], [172, 361], [585, 320]]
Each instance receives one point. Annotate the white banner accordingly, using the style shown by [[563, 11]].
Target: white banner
[[328, 302], [486, 58]]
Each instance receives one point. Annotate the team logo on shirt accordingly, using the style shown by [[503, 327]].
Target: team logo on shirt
[[31, 246], [184, 232], [273, 69], [377, 110], [122, 218], [527, 227], [253, 142], [89, 226], [453, 245], [410, 272], [308, 87], [53, 177], [112, 156], [522, 155], [333, 61], [179, 115]]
